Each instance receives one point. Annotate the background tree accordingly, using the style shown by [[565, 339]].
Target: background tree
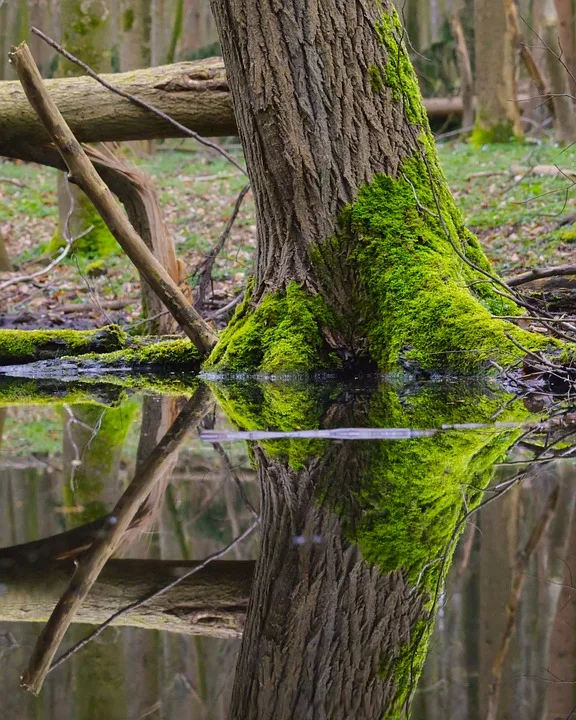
[[87, 31], [497, 112]]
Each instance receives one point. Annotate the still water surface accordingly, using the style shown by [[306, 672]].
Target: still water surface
[[374, 574]]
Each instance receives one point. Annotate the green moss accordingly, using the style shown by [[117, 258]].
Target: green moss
[[128, 20], [421, 302], [376, 81], [281, 407], [23, 346], [98, 243], [283, 333], [167, 353], [485, 134]]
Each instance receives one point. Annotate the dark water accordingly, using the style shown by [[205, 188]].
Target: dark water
[[374, 581]]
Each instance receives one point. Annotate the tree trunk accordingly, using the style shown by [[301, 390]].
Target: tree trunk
[[5, 265], [497, 113], [211, 602], [362, 257], [357, 538], [559, 79], [565, 13], [465, 70], [199, 28], [135, 34], [86, 34]]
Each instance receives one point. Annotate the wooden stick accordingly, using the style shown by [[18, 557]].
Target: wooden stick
[[119, 520], [86, 177], [539, 273]]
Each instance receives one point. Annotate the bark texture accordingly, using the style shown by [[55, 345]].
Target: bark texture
[[497, 113], [312, 127], [324, 628]]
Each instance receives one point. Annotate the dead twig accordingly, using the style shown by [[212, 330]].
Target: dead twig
[[87, 178], [539, 273], [133, 99], [204, 270]]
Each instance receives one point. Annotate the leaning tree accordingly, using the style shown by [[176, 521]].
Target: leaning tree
[[363, 260]]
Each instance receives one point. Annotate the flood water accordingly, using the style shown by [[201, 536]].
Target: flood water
[[428, 576]]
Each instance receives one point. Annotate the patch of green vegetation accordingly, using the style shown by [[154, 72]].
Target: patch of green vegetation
[[98, 436], [23, 346], [128, 20], [484, 134], [421, 301], [98, 243], [284, 333], [376, 81]]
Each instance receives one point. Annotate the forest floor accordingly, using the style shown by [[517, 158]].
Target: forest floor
[[517, 198]]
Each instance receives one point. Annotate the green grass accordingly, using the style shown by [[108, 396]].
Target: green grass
[[515, 212]]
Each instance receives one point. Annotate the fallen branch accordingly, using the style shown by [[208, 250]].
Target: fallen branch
[[86, 177], [90, 566], [539, 273], [137, 101], [154, 594]]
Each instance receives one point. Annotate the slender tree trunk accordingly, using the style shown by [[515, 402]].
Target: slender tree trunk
[[559, 79], [135, 34], [354, 216], [465, 70], [86, 30], [199, 27], [5, 265], [565, 11], [497, 113]]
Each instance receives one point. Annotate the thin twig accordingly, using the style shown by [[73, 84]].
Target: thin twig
[[205, 268], [137, 101]]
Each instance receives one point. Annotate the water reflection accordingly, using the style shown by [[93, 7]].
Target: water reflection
[[345, 612]]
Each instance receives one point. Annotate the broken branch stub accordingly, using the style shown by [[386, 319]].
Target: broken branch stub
[[86, 177]]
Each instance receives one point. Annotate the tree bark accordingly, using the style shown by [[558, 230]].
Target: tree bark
[[497, 113], [351, 204], [212, 602], [559, 79], [5, 265]]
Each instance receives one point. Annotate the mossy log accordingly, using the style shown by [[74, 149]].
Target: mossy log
[[212, 602], [25, 346]]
